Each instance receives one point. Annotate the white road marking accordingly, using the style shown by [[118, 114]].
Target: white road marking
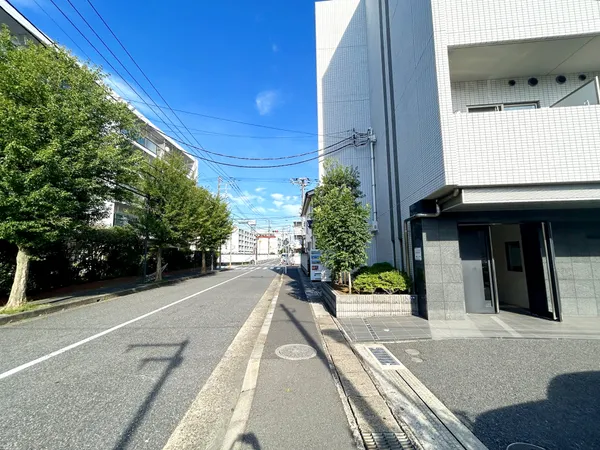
[[241, 413], [105, 332]]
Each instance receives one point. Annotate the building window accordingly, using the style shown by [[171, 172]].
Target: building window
[[503, 107], [513, 256], [147, 143]]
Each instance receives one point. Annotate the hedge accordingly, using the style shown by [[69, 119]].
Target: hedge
[[93, 255], [381, 278]]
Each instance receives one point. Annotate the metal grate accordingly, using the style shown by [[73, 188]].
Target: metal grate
[[372, 332], [387, 441], [384, 357]]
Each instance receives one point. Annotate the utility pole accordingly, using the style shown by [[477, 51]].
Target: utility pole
[[219, 179], [302, 182]]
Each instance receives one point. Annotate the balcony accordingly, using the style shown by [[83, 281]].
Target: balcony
[[537, 146]]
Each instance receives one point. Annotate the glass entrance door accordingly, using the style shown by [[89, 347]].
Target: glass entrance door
[[475, 255]]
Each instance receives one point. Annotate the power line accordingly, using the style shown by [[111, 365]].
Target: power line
[[208, 116], [287, 164], [246, 158], [216, 169], [106, 60], [245, 136]]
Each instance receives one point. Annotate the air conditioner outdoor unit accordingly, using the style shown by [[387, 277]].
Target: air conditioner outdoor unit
[[374, 227]]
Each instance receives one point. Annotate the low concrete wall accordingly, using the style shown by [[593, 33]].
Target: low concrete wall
[[373, 305]]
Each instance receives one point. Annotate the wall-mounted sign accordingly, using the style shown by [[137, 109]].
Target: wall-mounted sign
[[418, 254]]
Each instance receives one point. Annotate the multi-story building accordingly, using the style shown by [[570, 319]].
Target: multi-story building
[[486, 163], [153, 142], [240, 242], [266, 244]]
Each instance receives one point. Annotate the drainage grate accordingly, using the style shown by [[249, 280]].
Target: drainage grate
[[384, 357], [387, 441], [370, 329]]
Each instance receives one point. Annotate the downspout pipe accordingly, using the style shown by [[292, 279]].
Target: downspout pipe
[[372, 140], [437, 213]]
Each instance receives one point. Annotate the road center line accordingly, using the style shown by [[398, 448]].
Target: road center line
[[110, 330]]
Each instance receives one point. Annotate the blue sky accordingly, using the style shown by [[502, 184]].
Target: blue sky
[[246, 61]]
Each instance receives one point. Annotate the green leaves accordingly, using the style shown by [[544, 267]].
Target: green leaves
[[176, 212], [340, 221], [63, 152]]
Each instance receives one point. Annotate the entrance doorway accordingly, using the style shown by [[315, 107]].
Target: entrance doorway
[[509, 267]]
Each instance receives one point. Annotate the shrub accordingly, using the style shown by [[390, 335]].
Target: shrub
[[381, 277], [365, 283]]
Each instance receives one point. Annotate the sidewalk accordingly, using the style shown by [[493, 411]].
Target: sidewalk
[[296, 404], [82, 294]]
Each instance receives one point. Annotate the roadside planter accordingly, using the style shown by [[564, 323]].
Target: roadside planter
[[369, 305]]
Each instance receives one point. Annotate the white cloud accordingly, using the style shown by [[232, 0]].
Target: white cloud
[[260, 209], [273, 210], [266, 101], [278, 203], [291, 209], [275, 48], [277, 196], [260, 189], [247, 197]]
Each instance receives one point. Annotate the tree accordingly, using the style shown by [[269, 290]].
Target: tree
[[213, 223], [64, 149], [340, 221], [168, 214]]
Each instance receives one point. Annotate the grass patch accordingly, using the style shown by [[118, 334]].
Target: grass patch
[[23, 308]]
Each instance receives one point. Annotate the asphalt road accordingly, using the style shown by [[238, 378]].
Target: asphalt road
[[543, 392], [129, 387]]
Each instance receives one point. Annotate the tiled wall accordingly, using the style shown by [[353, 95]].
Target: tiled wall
[[443, 270], [343, 85], [547, 92], [419, 135], [479, 21], [577, 249]]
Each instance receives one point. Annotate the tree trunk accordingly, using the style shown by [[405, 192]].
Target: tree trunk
[[212, 260], [19, 287], [158, 264], [349, 283], [203, 261]]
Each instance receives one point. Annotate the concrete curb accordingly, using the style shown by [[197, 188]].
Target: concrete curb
[[73, 303]]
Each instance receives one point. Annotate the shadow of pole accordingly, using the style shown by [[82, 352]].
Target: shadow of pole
[[250, 439], [363, 409], [173, 362]]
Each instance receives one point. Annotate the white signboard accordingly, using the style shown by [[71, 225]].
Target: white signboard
[[317, 271], [418, 254]]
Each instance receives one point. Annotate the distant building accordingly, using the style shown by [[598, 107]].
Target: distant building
[[266, 244]]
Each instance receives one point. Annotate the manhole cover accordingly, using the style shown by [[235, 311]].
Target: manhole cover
[[523, 446], [296, 352]]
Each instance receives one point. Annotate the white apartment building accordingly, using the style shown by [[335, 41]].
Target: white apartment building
[[240, 242], [486, 166], [153, 142], [266, 244]]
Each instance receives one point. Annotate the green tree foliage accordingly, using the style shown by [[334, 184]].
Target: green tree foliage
[[340, 221], [172, 206], [214, 225], [64, 149]]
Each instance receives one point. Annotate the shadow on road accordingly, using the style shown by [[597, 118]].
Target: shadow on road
[[568, 418], [251, 440], [173, 362]]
